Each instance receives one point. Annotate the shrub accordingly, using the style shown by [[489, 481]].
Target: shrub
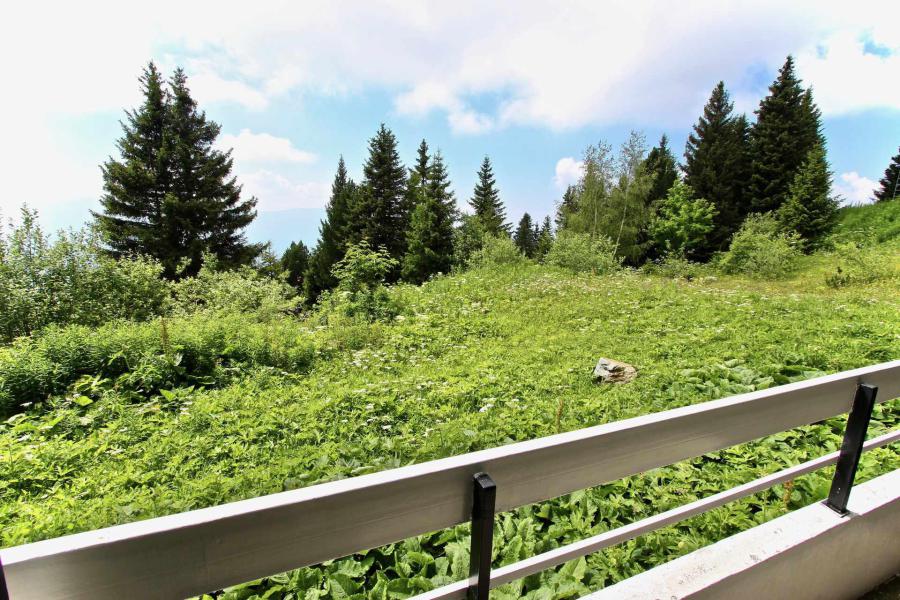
[[361, 292], [761, 249], [861, 265], [578, 252], [70, 280], [143, 358], [240, 291], [675, 266], [497, 251], [682, 222]]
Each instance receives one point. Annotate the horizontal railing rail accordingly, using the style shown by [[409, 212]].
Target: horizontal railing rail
[[187, 554]]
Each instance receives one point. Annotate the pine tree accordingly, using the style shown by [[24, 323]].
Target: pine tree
[[787, 127], [382, 212], [205, 201], [660, 164], [544, 239], [333, 235], [430, 236], [486, 201], [525, 236], [567, 206], [809, 209], [172, 196], [417, 182], [890, 184], [716, 166], [295, 262], [136, 185]]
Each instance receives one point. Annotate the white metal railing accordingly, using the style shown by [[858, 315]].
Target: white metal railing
[[187, 554]]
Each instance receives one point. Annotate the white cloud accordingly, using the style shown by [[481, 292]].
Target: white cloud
[[252, 147], [277, 192], [846, 78], [568, 172], [854, 189], [640, 64]]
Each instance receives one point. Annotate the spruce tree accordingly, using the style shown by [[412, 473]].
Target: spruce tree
[[172, 196], [544, 239], [716, 166], [382, 211], [417, 183], [889, 186], [660, 164], [205, 201], [430, 236], [524, 237], [787, 127], [136, 185], [486, 201], [809, 209], [567, 206], [295, 262], [333, 235]]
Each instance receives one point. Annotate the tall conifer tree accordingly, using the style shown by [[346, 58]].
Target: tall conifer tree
[[889, 186], [660, 164], [567, 206], [417, 183], [544, 239], [172, 196], [717, 164], [787, 128], [430, 236], [525, 236], [809, 209], [333, 235], [486, 201], [295, 262], [381, 209]]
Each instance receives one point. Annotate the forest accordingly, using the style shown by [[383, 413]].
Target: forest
[[156, 361]]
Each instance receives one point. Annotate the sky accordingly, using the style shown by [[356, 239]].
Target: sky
[[294, 85]]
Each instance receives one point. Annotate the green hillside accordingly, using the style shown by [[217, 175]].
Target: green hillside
[[134, 420]]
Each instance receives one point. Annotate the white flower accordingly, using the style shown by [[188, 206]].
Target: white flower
[[486, 407]]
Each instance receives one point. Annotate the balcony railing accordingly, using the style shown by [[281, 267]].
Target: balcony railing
[[196, 552]]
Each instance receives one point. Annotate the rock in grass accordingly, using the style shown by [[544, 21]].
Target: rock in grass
[[613, 371]]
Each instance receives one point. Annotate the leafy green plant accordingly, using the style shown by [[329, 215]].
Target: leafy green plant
[[361, 292], [498, 251], [760, 249], [681, 222], [856, 265], [580, 253]]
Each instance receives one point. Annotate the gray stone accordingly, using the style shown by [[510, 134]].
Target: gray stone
[[613, 371]]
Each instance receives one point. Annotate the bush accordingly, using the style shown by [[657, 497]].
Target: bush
[[682, 222], [240, 291], [70, 280], [761, 249], [579, 253], [497, 251], [861, 265], [142, 358], [361, 293], [675, 266]]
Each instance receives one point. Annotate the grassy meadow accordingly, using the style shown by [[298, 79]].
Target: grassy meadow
[[132, 420]]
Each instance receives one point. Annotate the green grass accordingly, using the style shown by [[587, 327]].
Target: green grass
[[476, 360], [134, 420]]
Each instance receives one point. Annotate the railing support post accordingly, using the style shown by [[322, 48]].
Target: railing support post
[[483, 502], [4, 593], [851, 448]]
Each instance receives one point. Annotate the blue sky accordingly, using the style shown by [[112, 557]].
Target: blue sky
[[295, 85]]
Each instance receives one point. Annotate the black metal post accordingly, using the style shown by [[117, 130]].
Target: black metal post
[[484, 500], [4, 593], [851, 448]]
